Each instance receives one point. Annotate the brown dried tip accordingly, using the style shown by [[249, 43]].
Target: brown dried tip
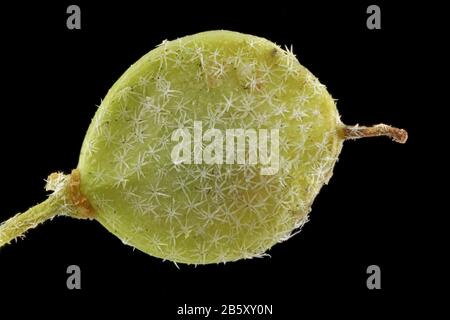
[[84, 207], [356, 132]]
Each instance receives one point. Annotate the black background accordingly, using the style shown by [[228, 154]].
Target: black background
[[368, 214]]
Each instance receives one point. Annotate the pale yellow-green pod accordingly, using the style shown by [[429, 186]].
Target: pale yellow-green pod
[[210, 148]]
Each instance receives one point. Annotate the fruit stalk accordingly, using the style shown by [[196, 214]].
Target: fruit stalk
[[356, 132], [18, 225]]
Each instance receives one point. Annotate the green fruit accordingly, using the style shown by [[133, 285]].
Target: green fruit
[[197, 211]]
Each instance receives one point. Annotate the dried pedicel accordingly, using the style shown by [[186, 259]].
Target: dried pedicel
[[210, 148]]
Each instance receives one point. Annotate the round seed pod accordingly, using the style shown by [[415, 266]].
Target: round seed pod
[[210, 148]]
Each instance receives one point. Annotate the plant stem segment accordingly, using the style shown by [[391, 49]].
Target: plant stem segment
[[16, 226], [356, 132], [67, 199]]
